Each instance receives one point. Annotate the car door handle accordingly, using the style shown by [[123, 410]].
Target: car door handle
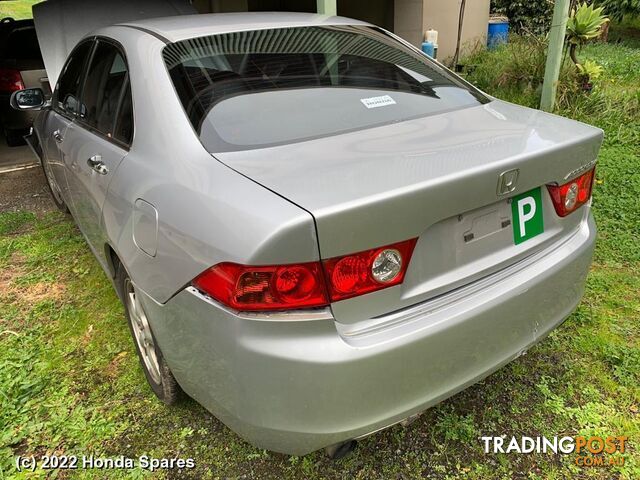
[[98, 165], [57, 136]]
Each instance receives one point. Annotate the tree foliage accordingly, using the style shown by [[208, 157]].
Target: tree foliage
[[617, 9], [526, 16], [535, 16]]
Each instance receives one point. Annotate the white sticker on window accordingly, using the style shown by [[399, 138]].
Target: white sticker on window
[[374, 102]]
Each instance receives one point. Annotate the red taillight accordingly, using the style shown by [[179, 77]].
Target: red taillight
[[10, 80], [305, 285], [283, 287], [568, 197], [354, 275]]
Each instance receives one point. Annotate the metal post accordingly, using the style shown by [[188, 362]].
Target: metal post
[[327, 7], [554, 54]]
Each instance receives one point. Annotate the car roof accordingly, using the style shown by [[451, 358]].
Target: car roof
[[182, 27]]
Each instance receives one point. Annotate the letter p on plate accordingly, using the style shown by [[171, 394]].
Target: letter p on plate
[[526, 210]]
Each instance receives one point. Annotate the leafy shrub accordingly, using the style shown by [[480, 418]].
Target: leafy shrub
[[526, 16], [517, 68], [617, 9], [590, 69], [515, 72]]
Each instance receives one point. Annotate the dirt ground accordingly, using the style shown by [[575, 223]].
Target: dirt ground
[[22, 188], [14, 156], [25, 190]]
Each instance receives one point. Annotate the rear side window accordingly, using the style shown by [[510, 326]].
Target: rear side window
[[105, 90], [259, 88], [66, 97]]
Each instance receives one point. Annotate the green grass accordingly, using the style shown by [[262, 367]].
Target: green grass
[[17, 9], [70, 381]]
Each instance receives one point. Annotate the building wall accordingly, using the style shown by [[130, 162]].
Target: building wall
[[442, 15], [220, 6], [378, 12], [407, 22], [307, 6]]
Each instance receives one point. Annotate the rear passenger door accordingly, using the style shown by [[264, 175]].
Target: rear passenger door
[[99, 139]]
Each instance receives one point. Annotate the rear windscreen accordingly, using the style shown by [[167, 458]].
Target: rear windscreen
[[268, 87], [22, 44]]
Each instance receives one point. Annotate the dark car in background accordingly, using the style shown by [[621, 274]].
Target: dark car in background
[[21, 67]]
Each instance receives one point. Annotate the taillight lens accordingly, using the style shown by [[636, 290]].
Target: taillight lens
[[368, 271], [305, 285], [281, 287], [569, 197], [10, 80]]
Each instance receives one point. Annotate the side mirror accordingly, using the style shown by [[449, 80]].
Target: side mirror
[[71, 104], [28, 99]]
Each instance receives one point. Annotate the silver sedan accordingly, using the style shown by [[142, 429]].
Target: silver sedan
[[316, 230]]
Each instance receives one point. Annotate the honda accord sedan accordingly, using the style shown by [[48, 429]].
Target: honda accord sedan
[[316, 230]]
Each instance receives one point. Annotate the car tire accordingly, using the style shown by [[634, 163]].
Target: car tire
[[56, 197], [15, 138], [155, 368]]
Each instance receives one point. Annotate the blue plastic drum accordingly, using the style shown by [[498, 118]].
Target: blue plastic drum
[[498, 32], [428, 48]]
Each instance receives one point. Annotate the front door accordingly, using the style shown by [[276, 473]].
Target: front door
[[55, 127], [97, 141], [60, 117]]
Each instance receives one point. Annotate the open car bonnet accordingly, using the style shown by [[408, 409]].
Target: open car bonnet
[[61, 24]]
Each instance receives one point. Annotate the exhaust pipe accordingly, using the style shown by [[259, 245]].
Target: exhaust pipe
[[340, 450], [409, 420]]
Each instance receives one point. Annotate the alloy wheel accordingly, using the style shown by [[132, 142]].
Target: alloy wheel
[[142, 332]]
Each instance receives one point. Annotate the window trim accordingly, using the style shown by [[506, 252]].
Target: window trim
[[126, 85]]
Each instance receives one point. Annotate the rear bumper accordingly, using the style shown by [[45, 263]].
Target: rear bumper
[[299, 386]]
